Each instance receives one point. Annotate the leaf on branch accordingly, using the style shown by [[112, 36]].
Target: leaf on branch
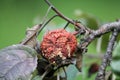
[[116, 60], [17, 62], [37, 78], [71, 72], [116, 52], [31, 35]]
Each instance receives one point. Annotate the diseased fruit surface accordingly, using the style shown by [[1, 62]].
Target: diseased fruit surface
[[58, 43]]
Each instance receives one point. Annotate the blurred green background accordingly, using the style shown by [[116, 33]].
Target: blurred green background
[[17, 15]]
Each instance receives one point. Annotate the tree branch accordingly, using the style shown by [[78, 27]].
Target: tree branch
[[45, 23], [80, 26], [97, 33], [107, 57]]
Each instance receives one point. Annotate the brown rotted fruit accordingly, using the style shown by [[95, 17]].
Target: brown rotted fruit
[[58, 43]]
